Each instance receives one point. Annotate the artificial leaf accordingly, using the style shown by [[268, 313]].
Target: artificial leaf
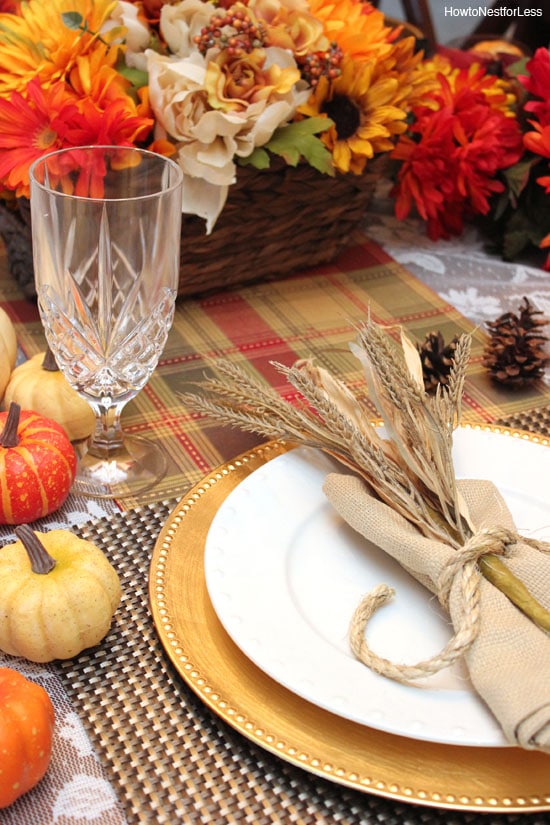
[[136, 77], [515, 242], [517, 176], [501, 203], [519, 67], [72, 19], [318, 156], [299, 140], [259, 159]]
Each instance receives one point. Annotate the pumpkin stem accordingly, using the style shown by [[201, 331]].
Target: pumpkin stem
[[8, 436], [41, 561], [49, 363]]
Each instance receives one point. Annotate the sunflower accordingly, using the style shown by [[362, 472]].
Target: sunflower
[[362, 33], [37, 43], [361, 104]]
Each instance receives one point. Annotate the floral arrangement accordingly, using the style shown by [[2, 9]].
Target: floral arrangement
[[217, 84], [479, 146], [212, 84]]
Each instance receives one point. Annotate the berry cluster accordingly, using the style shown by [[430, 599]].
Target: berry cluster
[[317, 64], [233, 31]]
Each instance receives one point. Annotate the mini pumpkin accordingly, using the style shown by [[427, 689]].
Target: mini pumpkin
[[26, 729], [37, 466], [38, 385], [8, 349], [496, 47], [58, 595]]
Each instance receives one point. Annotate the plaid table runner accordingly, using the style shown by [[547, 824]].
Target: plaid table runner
[[311, 315]]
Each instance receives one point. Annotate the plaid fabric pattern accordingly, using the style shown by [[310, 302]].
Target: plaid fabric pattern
[[310, 315]]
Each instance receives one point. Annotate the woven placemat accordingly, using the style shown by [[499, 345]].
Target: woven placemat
[[536, 421], [169, 758]]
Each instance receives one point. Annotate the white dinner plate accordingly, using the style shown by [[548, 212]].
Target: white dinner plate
[[285, 573]]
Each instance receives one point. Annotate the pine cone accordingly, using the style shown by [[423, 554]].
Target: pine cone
[[515, 353], [437, 359]]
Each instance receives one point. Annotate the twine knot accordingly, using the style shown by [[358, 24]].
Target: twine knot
[[488, 541], [463, 563]]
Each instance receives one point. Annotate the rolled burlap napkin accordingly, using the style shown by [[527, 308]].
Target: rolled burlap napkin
[[507, 655]]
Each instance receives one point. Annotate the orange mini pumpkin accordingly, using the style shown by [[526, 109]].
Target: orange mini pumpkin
[[26, 730], [37, 466]]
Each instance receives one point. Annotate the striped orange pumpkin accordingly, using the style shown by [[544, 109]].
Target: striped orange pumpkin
[[37, 466]]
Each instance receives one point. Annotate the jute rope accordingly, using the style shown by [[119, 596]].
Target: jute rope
[[463, 563]]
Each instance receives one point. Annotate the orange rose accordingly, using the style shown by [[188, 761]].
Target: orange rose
[[290, 28], [233, 83]]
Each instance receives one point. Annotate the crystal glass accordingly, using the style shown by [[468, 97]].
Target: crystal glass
[[106, 225]]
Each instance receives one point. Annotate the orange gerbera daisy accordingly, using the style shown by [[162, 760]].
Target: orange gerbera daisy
[[359, 29], [31, 126], [95, 77], [56, 117], [37, 42]]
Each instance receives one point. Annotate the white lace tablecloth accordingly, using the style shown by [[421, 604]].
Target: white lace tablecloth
[[75, 789]]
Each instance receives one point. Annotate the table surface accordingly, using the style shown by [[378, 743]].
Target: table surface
[[132, 742]]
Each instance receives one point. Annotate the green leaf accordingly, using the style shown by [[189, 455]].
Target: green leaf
[[137, 77], [517, 176], [518, 67], [299, 140], [72, 19], [317, 155], [500, 206], [514, 243], [259, 159]]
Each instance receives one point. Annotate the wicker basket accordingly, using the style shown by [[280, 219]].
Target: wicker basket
[[275, 222]]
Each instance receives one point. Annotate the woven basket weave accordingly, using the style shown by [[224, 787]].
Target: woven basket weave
[[275, 222]]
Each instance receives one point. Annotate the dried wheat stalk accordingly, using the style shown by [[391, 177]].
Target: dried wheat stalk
[[410, 468], [398, 469]]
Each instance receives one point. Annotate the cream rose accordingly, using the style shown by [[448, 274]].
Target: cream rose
[[137, 34], [190, 100], [180, 23]]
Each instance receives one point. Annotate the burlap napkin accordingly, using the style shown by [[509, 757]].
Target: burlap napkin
[[508, 656]]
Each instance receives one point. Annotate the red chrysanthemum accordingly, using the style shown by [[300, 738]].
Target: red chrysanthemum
[[537, 83], [538, 142], [452, 157]]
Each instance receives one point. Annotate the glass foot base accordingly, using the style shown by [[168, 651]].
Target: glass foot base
[[134, 468]]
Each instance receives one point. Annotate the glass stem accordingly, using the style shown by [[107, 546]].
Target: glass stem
[[107, 439]]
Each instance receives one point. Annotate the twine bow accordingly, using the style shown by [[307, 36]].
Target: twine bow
[[465, 563]]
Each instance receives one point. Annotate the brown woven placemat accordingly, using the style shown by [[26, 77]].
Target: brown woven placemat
[[536, 421], [169, 758]]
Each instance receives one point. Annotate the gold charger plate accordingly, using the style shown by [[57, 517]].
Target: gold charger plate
[[427, 773]]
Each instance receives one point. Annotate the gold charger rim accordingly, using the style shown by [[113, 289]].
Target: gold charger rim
[[504, 780]]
